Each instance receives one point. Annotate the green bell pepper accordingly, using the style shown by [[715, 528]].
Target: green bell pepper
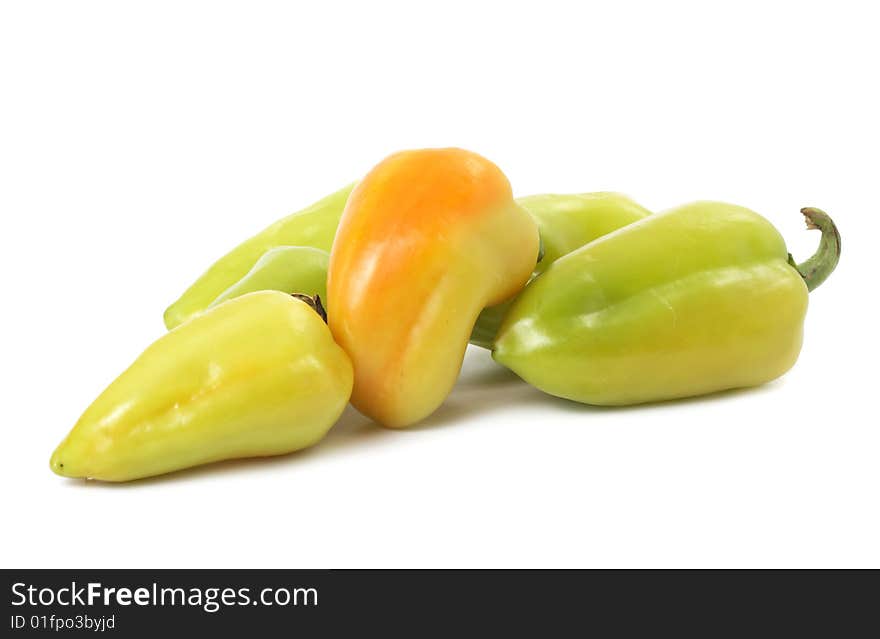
[[698, 299]]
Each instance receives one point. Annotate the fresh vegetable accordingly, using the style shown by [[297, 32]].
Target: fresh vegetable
[[427, 240], [258, 375], [698, 299]]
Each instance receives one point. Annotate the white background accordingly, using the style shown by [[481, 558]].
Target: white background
[[140, 141]]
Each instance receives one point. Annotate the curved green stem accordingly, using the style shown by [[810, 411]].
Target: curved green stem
[[816, 269]]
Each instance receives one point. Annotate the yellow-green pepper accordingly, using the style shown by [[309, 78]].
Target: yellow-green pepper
[[698, 299], [314, 226], [258, 375]]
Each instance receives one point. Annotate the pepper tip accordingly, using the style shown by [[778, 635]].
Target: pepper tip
[[57, 462]]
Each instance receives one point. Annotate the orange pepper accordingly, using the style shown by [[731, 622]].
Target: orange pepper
[[427, 240]]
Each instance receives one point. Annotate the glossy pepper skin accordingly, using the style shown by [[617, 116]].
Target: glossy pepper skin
[[698, 299], [427, 240], [258, 375], [566, 222], [289, 269], [314, 226]]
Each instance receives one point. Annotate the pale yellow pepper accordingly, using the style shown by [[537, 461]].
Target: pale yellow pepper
[[257, 375]]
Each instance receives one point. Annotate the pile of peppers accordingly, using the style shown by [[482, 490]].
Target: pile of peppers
[[589, 297]]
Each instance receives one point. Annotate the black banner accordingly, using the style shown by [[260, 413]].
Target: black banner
[[133, 603]]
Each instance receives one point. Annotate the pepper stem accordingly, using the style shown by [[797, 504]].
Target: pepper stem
[[314, 302], [816, 269]]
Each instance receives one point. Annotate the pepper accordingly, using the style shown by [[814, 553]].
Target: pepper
[[314, 226], [258, 375], [427, 240], [565, 222], [698, 299], [290, 269]]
